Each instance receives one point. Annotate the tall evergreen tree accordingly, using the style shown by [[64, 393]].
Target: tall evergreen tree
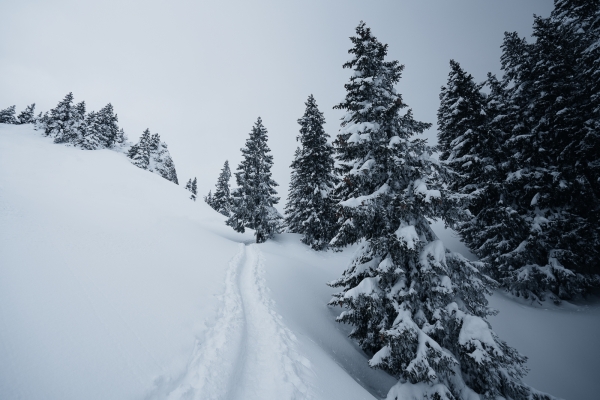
[[27, 116], [310, 208], [419, 308], [535, 208], [254, 198], [7, 116], [192, 186], [221, 200]]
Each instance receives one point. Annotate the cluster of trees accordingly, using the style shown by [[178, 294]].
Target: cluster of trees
[[518, 177], [153, 155], [27, 116], [251, 203], [69, 123], [526, 156]]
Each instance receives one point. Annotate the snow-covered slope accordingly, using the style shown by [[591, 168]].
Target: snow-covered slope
[[114, 285]]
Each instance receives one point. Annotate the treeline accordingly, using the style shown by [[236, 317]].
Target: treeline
[[526, 156], [70, 124]]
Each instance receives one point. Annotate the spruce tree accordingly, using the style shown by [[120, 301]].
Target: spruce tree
[[535, 222], [107, 129], [192, 186], [27, 116], [140, 152], [470, 146], [310, 209], [7, 116], [418, 308], [153, 155], [66, 121], [221, 200], [89, 139], [208, 199], [254, 198]]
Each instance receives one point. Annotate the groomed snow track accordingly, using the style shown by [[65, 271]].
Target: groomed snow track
[[248, 353]]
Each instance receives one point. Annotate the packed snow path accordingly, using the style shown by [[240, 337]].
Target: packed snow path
[[248, 353]]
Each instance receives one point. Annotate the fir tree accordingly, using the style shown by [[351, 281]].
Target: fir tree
[[310, 208], [161, 161], [7, 116], [27, 116], [89, 139], [419, 308], [153, 155], [107, 129], [192, 186], [64, 121], [41, 122], [208, 199], [254, 197], [221, 201], [140, 152], [535, 208]]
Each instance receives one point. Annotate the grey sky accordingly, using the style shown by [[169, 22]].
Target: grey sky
[[200, 73]]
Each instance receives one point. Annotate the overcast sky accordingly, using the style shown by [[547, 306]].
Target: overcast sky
[[199, 73]]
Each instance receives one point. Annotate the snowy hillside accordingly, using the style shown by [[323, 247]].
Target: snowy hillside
[[115, 285]]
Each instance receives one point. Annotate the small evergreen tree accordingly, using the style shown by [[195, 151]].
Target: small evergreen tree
[[221, 201], [65, 121], [254, 197], [140, 152], [153, 155], [192, 186], [27, 116], [7, 116], [310, 208], [107, 129], [418, 307], [89, 139], [208, 199]]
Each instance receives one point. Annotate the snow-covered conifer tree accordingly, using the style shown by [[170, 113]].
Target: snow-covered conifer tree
[[418, 308], [153, 155], [7, 116], [107, 128], [221, 200], [471, 147], [310, 207], [27, 116], [66, 123], [89, 139], [208, 199], [534, 223], [41, 121], [192, 186], [140, 152], [161, 161], [254, 197]]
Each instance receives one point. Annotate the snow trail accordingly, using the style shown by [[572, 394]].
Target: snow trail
[[249, 353]]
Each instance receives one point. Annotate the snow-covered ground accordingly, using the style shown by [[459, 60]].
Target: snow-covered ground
[[114, 285]]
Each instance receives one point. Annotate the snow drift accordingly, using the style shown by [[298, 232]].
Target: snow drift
[[113, 284]]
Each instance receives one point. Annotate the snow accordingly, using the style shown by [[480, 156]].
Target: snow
[[408, 235], [357, 201], [421, 188], [114, 285]]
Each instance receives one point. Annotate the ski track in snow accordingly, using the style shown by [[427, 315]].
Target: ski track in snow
[[248, 353]]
